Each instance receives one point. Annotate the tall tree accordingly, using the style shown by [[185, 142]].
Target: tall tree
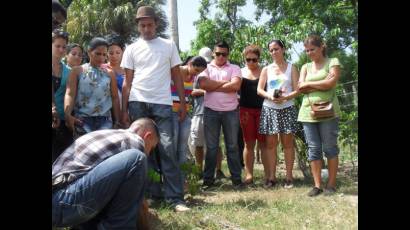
[[223, 26], [335, 20]]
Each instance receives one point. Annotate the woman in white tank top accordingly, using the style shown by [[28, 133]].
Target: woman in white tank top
[[279, 115]]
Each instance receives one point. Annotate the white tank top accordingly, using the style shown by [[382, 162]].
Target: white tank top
[[279, 81]]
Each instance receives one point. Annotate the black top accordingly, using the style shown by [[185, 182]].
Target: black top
[[56, 82], [249, 96]]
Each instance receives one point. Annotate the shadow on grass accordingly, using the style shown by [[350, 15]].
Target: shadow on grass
[[250, 204]]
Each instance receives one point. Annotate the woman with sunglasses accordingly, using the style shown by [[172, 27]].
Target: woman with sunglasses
[[250, 104], [278, 116], [61, 137], [318, 81], [74, 55], [92, 93]]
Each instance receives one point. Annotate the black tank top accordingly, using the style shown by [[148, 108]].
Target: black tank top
[[56, 82], [249, 97]]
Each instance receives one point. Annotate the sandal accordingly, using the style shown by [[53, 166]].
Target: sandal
[[329, 191], [288, 184], [269, 183], [248, 181], [315, 191]]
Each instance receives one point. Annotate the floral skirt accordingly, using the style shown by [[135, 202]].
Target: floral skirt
[[275, 121]]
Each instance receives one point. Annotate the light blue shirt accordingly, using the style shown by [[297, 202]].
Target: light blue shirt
[[93, 92]]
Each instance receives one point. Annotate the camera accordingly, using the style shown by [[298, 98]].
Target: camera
[[277, 93]]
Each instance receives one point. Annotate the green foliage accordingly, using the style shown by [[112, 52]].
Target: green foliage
[[154, 176], [348, 135], [87, 19], [192, 175], [335, 20]]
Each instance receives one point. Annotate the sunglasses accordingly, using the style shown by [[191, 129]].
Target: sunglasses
[[219, 54], [251, 59], [60, 33]]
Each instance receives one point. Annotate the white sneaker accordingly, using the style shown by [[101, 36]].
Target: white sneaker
[[181, 208], [288, 184]]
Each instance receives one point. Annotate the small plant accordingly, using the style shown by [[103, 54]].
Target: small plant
[[192, 175], [154, 176]]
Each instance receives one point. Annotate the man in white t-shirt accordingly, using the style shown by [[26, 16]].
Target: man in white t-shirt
[[149, 65]]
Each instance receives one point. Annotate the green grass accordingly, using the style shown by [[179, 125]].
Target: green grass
[[259, 208]]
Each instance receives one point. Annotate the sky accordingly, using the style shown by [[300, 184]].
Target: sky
[[188, 13]]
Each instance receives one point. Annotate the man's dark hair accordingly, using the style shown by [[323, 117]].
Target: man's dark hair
[[196, 61], [115, 39], [58, 11], [96, 42], [58, 7], [222, 44], [72, 46]]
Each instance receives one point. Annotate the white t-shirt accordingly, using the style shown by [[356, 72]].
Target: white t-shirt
[[151, 61], [279, 81]]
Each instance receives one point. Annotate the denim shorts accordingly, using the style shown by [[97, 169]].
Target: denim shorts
[[322, 138]]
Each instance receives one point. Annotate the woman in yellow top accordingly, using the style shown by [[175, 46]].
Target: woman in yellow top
[[318, 81]]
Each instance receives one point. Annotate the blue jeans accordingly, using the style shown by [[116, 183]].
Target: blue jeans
[[322, 137], [230, 127], [180, 140], [92, 124], [181, 135], [162, 114], [109, 195]]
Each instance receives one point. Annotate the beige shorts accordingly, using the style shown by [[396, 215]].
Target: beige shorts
[[197, 131]]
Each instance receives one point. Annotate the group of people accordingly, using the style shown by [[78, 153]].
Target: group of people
[[125, 111]]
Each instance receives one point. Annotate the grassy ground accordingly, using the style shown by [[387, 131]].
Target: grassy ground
[[259, 208]]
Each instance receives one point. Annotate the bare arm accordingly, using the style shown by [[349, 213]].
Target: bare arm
[[126, 88], [210, 85], [233, 86], [179, 85], [261, 85], [302, 87], [328, 83], [69, 97], [114, 97], [295, 79], [185, 77], [198, 92]]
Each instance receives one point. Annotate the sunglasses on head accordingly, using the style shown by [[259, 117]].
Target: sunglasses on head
[[60, 34], [219, 54], [251, 59]]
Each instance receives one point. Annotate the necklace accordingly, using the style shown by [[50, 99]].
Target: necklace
[[93, 72]]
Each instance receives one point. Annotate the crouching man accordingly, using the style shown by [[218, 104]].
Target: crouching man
[[98, 182]]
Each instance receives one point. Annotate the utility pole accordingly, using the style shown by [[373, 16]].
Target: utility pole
[[173, 12]]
